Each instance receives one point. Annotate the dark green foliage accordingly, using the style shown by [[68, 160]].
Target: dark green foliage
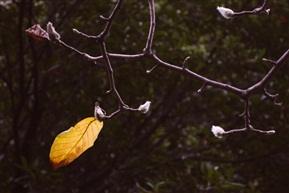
[[45, 89]]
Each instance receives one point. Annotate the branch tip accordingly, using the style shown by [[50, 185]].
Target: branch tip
[[185, 62], [273, 98], [104, 18], [242, 114], [270, 132], [152, 69], [269, 61], [202, 88], [280, 104], [75, 31]]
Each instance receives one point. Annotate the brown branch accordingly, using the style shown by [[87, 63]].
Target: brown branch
[[101, 41], [100, 38], [194, 75], [148, 48], [114, 55], [85, 55], [269, 61], [185, 62], [244, 94], [259, 10], [273, 98], [104, 33], [266, 79]]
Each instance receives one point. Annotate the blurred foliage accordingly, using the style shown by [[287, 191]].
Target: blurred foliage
[[46, 89]]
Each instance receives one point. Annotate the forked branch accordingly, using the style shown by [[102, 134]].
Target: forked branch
[[244, 94]]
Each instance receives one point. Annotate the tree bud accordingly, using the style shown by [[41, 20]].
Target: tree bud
[[225, 12], [52, 34], [145, 107]]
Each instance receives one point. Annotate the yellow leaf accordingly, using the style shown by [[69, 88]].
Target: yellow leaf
[[71, 143]]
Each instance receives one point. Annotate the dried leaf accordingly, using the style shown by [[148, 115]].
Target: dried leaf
[[37, 32], [71, 143]]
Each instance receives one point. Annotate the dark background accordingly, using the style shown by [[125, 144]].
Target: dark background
[[45, 89]]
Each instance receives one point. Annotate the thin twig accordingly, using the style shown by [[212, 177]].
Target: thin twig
[[83, 34], [185, 62], [104, 33], [266, 79], [272, 97], [87, 56], [269, 61], [259, 10], [244, 94], [150, 70], [102, 45], [114, 55], [148, 48], [202, 88]]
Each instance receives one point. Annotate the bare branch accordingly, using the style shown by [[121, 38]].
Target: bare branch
[[273, 98], [259, 10], [244, 94], [229, 13], [185, 62], [87, 56], [150, 70], [262, 83], [270, 132], [216, 84], [269, 61], [109, 20], [83, 34], [202, 88], [148, 48], [113, 55]]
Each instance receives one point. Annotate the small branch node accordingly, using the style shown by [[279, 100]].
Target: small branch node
[[273, 98], [83, 34], [270, 132], [108, 91], [149, 71], [250, 128], [202, 88], [269, 61], [147, 51], [104, 18], [257, 10], [86, 56], [280, 104], [242, 114], [76, 31], [185, 62], [125, 107]]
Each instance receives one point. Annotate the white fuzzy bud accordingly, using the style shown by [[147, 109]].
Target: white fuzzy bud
[[145, 107], [218, 131], [225, 12], [52, 34]]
